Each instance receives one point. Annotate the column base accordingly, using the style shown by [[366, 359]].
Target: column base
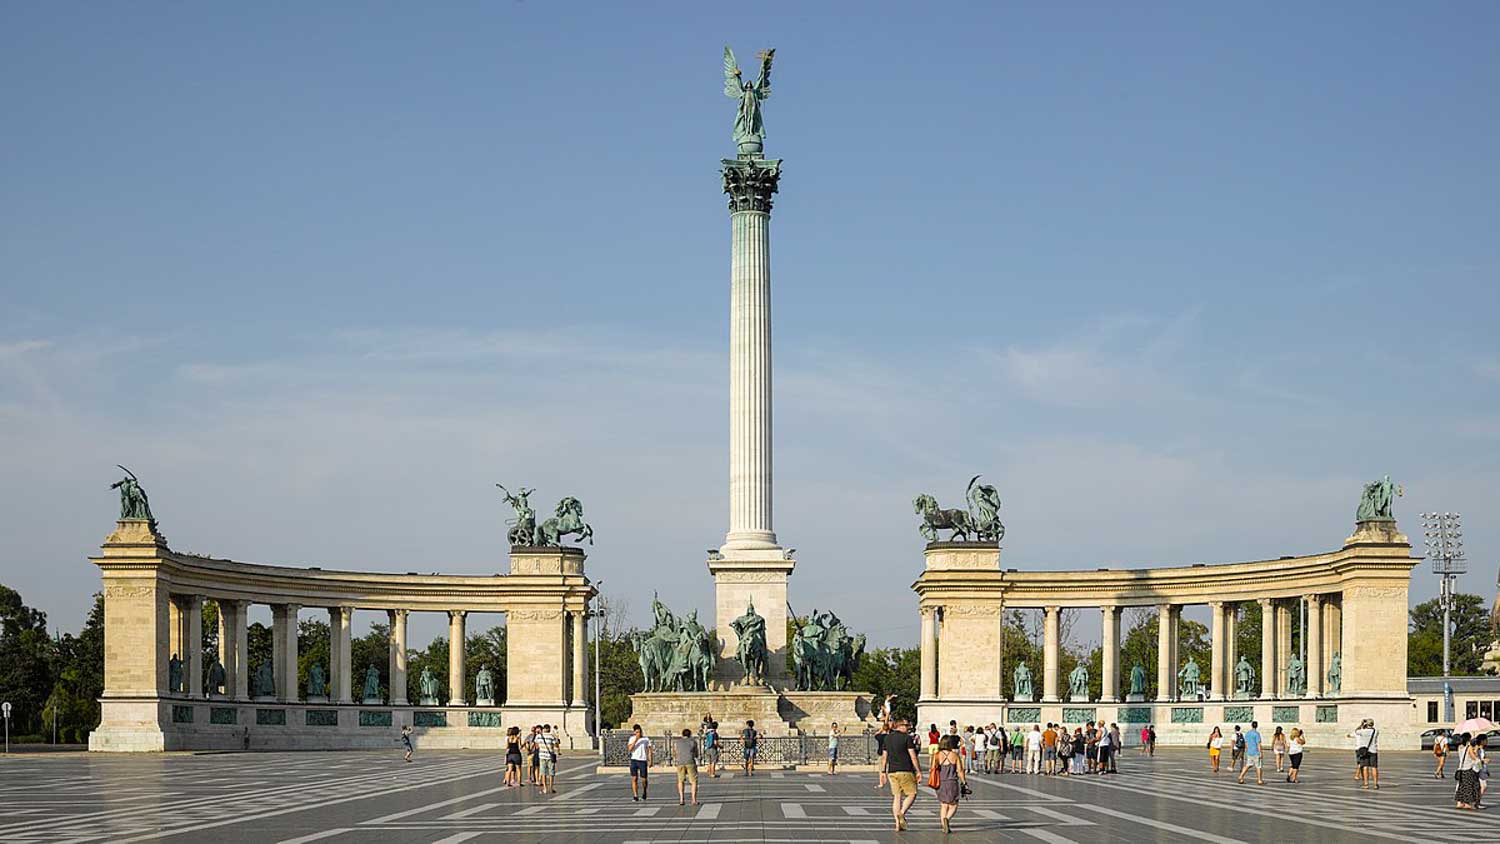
[[458, 701], [743, 577]]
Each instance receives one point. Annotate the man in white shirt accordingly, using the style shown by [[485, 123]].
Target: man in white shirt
[[981, 747], [640, 760], [1034, 750], [1367, 754], [1440, 750]]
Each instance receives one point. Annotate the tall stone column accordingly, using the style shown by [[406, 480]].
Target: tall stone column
[[929, 653], [750, 182], [343, 647], [1267, 648], [750, 567], [241, 649], [1110, 665], [456, 639], [278, 651], [1333, 631], [1283, 645], [289, 687], [228, 655], [1231, 646], [1216, 650], [1314, 646], [192, 661], [398, 657], [176, 632], [1166, 675], [580, 657], [1050, 653]]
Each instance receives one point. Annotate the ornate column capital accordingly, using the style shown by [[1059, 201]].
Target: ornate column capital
[[1218, 605], [1052, 610], [751, 182], [1314, 600], [1265, 603], [928, 611], [457, 614]]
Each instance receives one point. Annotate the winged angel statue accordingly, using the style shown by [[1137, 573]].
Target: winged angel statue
[[749, 129]]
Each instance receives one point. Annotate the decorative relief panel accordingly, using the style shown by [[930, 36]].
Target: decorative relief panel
[[322, 717], [484, 719], [1327, 715], [972, 610], [1187, 715], [182, 714], [1029, 714], [1135, 714], [1239, 713], [429, 719], [1079, 714], [129, 591], [370, 718], [534, 615], [1286, 714], [750, 577], [270, 717], [223, 715]]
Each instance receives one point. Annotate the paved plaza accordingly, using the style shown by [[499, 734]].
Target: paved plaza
[[456, 796]]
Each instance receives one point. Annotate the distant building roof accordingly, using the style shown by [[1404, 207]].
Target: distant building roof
[[1461, 685]]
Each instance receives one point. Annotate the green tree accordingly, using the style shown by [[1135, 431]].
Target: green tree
[[314, 645], [887, 671], [487, 648], [1470, 637], [258, 648], [373, 648], [434, 659], [28, 665], [619, 678]]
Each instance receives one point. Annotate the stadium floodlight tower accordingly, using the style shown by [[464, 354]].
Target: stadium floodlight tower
[[1445, 548]]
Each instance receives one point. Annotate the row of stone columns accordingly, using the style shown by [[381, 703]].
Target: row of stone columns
[[186, 637], [1324, 633]]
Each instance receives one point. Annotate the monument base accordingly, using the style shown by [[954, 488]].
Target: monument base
[[1135, 698], [743, 577], [316, 699], [774, 713], [372, 701], [427, 701], [485, 701]]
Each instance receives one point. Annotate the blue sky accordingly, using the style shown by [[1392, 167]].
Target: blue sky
[[1176, 279]]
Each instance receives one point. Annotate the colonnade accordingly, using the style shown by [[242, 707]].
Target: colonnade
[[343, 684]]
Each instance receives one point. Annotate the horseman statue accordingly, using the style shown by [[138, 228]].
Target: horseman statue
[[979, 523], [750, 628], [824, 655], [674, 655], [567, 520]]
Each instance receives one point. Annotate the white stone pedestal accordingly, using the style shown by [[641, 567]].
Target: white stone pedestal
[[743, 577]]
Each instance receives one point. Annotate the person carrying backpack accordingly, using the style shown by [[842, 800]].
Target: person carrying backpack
[[749, 737]]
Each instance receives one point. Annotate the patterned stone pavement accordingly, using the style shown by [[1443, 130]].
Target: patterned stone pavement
[[450, 797]]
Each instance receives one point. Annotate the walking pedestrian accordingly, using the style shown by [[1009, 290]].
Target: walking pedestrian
[[1034, 750], [1091, 747], [1152, 731], [1236, 749], [1106, 750], [1116, 744], [994, 763], [546, 751], [685, 759], [711, 749], [513, 757], [641, 757], [533, 758], [833, 746], [1215, 747], [1145, 740], [1018, 742], [751, 741], [981, 751], [1440, 750], [1278, 747], [1484, 768], [1467, 794], [406, 740], [1367, 754], [1049, 749], [898, 762], [933, 736], [1064, 751], [947, 765], [1294, 746], [1252, 754], [880, 734]]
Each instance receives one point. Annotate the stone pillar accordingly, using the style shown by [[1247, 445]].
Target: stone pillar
[[288, 686], [580, 657], [241, 649], [535, 639], [750, 182], [1231, 646], [176, 634], [342, 647], [456, 655], [1314, 646], [137, 634], [1216, 650], [1267, 648], [1166, 673], [1050, 652], [1283, 645], [192, 661], [1110, 664], [278, 650], [929, 653], [398, 657], [228, 655]]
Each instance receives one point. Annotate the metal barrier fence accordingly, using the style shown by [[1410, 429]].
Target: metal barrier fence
[[770, 751]]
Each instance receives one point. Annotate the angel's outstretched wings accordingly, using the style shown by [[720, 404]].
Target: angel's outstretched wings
[[731, 75], [763, 84]]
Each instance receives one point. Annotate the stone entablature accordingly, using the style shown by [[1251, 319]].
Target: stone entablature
[[1361, 587], [153, 599]]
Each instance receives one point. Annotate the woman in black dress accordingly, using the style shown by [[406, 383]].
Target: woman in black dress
[[1469, 763], [513, 756]]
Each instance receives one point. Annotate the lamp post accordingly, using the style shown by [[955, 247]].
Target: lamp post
[[599, 599], [1445, 547]]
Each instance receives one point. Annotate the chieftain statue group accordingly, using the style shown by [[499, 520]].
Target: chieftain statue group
[[675, 655], [824, 655]]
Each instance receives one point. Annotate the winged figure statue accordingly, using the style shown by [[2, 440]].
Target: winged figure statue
[[749, 129]]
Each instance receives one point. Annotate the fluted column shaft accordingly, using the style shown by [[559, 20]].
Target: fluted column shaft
[[288, 688], [1283, 645], [344, 647], [1267, 648], [456, 639], [398, 657], [1109, 667], [1216, 651], [228, 654], [929, 653], [1315, 646], [1165, 672], [241, 610], [750, 383], [1050, 653], [580, 657]]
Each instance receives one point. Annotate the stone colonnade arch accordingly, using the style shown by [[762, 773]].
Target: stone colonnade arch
[[153, 597], [1356, 599]]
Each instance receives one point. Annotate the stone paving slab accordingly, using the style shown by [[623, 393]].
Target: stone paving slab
[[450, 797]]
